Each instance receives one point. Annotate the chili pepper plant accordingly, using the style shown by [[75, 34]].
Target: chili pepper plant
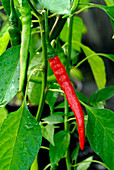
[[41, 73]]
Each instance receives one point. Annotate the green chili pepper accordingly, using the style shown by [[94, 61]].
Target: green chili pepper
[[25, 40], [14, 29]]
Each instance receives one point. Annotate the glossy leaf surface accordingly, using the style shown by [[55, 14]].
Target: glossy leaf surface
[[100, 133], [9, 74], [20, 140]]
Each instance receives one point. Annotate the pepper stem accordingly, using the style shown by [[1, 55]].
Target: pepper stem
[[66, 124], [44, 73]]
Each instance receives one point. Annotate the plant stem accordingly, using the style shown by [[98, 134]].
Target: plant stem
[[66, 127], [70, 22], [56, 90], [96, 54], [44, 73], [39, 79], [35, 11], [66, 123], [91, 161], [44, 147], [56, 29]]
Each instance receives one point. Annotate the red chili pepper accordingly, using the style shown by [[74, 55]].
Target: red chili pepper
[[64, 81]]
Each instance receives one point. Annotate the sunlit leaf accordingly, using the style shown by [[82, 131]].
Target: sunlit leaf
[[109, 2], [3, 114], [4, 39], [35, 164], [20, 140], [85, 165], [57, 6], [48, 133], [97, 67], [9, 74], [96, 64]]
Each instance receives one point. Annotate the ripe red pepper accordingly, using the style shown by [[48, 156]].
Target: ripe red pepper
[[64, 81]]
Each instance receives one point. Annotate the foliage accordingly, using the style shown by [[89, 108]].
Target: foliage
[[21, 132]]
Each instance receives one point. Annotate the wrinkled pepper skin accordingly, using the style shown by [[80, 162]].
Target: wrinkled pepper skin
[[64, 81]]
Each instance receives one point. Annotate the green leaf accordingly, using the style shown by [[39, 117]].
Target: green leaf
[[4, 39], [61, 105], [101, 95], [35, 164], [48, 133], [59, 113], [6, 5], [3, 114], [20, 140], [9, 74], [75, 4], [109, 2], [109, 56], [96, 64], [112, 22], [85, 165], [34, 90], [51, 96], [74, 56], [53, 119], [82, 97], [57, 6], [76, 33], [100, 132], [97, 67], [56, 152], [108, 9], [84, 4], [75, 154]]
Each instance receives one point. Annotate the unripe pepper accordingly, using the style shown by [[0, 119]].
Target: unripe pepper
[[14, 29], [25, 41], [64, 81]]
